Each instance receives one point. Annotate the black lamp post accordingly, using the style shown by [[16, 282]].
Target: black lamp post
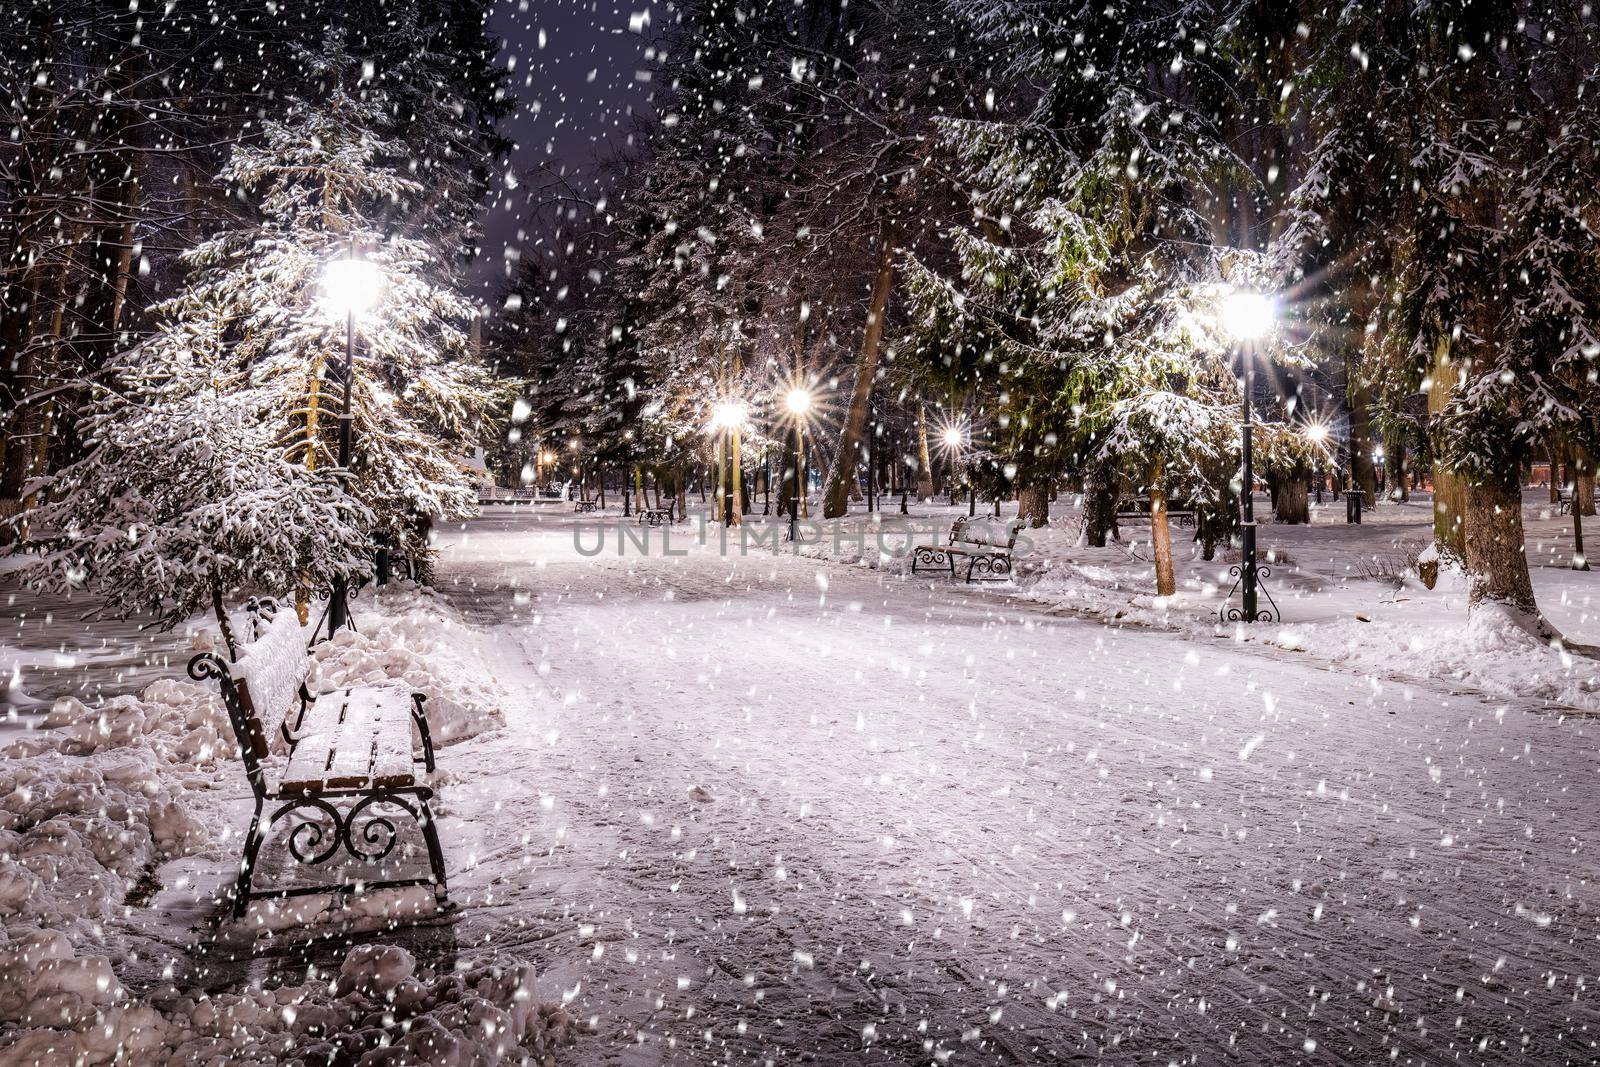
[[1247, 316], [350, 285]]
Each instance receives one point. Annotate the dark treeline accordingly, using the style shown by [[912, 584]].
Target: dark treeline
[[118, 119], [1017, 225]]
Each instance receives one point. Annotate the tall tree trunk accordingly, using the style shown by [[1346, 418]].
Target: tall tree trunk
[[1582, 482], [1449, 495], [1497, 563], [1033, 504], [1362, 469], [1100, 503], [29, 370], [1394, 458], [1555, 473], [836, 496], [1161, 536], [924, 456], [740, 502], [1291, 504]]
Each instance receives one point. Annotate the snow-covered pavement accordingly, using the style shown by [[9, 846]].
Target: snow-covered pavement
[[766, 809]]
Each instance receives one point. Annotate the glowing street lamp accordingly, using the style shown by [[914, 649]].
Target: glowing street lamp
[[350, 287], [1248, 316], [728, 415], [1317, 434], [798, 401]]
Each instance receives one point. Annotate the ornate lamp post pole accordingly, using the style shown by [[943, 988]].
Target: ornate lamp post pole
[[350, 286], [1248, 316]]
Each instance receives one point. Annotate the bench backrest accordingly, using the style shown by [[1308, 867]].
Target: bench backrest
[[269, 674], [268, 677], [991, 533]]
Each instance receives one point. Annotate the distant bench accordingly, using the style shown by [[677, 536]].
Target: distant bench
[[351, 745], [1139, 511], [582, 507], [985, 546]]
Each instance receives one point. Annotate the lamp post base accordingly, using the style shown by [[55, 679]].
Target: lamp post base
[[338, 607], [1248, 578]]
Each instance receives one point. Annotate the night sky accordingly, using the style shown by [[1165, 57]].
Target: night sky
[[575, 67]]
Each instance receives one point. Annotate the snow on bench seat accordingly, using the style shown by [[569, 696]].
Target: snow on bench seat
[[353, 739]]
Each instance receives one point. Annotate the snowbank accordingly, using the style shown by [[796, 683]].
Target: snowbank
[[414, 636], [1349, 595], [89, 806], [94, 804], [381, 1010]]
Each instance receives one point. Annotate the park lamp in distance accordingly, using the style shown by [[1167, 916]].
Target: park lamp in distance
[[351, 286], [728, 415], [1317, 433], [798, 401], [1247, 315], [953, 437]]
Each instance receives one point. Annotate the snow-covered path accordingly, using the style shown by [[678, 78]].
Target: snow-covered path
[[770, 809]]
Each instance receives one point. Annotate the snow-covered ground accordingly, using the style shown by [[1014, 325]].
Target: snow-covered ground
[[765, 807], [1345, 595]]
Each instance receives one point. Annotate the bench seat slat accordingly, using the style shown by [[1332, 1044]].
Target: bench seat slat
[[354, 739]]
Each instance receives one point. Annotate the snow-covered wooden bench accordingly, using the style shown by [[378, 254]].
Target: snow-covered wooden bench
[[984, 545], [655, 516], [582, 507], [350, 753], [1180, 511]]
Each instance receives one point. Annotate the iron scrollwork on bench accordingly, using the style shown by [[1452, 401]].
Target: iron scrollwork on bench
[[987, 551], [993, 567]]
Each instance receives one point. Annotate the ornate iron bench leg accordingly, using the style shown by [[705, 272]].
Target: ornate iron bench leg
[[247, 863], [430, 833], [419, 715]]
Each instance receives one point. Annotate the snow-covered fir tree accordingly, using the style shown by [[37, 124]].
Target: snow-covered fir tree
[[1452, 165], [252, 340], [1084, 323]]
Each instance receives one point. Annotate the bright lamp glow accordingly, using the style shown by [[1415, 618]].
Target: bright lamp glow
[[351, 286], [728, 415], [952, 437], [1247, 315], [1316, 433], [798, 401]]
